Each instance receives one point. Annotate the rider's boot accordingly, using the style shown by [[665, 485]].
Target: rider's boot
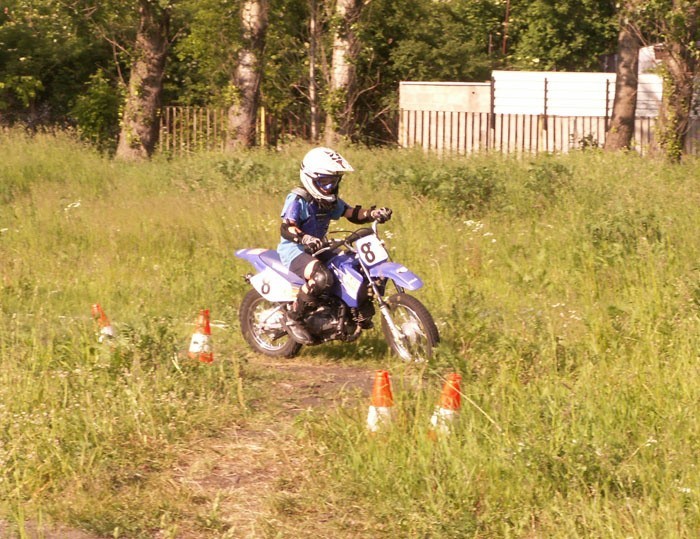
[[294, 323]]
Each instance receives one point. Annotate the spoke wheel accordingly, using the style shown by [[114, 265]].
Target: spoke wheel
[[417, 334], [262, 325]]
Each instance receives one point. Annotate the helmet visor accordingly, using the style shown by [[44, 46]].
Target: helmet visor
[[328, 183]]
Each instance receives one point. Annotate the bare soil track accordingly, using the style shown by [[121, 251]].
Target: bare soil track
[[239, 473], [247, 467]]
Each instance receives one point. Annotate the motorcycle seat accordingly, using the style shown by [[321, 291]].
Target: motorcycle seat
[[272, 259]]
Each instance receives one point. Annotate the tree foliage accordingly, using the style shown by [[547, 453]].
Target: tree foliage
[[562, 35], [443, 41], [203, 56], [46, 57], [675, 25], [68, 61]]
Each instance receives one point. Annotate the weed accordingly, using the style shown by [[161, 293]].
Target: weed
[[565, 289]]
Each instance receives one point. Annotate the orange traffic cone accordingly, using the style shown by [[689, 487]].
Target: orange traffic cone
[[448, 407], [200, 346], [382, 400], [106, 331]]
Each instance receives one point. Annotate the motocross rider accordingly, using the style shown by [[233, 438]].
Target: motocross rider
[[306, 216]]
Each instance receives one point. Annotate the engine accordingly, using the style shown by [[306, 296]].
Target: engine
[[331, 320], [323, 320]]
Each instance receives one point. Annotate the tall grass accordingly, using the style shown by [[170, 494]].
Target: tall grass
[[566, 289], [569, 300]]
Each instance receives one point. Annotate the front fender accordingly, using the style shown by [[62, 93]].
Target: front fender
[[398, 273]]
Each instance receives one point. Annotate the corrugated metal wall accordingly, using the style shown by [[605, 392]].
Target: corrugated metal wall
[[568, 94]]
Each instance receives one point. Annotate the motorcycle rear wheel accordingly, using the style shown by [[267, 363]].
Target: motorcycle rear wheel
[[419, 334], [262, 325]]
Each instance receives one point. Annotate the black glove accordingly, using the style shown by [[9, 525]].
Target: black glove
[[312, 243], [381, 215]]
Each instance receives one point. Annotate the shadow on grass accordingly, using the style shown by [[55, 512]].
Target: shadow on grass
[[369, 347]]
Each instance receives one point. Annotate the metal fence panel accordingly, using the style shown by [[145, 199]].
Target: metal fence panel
[[470, 132], [190, 129]]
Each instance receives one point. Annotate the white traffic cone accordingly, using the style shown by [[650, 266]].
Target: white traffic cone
[[379, 414], [105, 327], [448, 407]]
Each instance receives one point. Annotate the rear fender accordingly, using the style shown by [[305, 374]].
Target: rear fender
[[253, 256], [398, 273], [273, 287], [273, 281]]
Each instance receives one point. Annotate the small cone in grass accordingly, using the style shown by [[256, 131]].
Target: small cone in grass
[[448, 406], [105, 327], [379, 415], [200, 344]]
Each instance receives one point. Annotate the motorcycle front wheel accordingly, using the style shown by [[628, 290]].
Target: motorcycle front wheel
[[416, 333], [262, 325]]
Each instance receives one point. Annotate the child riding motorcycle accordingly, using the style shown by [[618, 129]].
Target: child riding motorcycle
[[306, 216]]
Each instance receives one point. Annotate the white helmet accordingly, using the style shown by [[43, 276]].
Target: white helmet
[[321, 172]]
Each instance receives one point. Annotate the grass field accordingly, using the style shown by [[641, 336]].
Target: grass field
[[566, 290]]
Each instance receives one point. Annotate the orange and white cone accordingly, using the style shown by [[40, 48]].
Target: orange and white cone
[[105, 327], [200, 344], [448, 406], [379, 415]]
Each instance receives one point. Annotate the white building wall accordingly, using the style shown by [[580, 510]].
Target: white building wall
[[568, 94], [445, 96], [647, 59]]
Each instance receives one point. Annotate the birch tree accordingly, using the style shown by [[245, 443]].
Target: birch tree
[[242, 114], [341, 93], [313, 89]]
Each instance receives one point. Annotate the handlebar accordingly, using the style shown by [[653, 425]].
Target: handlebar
[[329, 245], [357, 234]]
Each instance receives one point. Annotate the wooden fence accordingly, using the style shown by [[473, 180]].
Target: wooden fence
[[191, 129]]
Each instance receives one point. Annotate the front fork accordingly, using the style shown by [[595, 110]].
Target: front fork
[[386, 313], [384, 307]]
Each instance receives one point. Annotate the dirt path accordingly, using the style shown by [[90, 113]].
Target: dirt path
[[244, 470]]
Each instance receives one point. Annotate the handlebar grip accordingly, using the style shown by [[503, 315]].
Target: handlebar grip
[[328, 245]]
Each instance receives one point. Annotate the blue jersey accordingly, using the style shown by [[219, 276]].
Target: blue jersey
[[310, 218]]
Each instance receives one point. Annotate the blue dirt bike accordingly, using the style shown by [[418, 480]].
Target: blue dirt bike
[[362, 270]]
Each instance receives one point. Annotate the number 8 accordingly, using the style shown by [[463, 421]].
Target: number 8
[[367, 252]]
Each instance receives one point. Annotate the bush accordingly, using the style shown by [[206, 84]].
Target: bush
[[97, 113], [461, 189]]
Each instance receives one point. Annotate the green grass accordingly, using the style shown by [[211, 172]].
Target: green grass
[[566, 290]]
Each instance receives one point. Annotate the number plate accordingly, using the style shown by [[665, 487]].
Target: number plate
[[272, 286], [370, 250]]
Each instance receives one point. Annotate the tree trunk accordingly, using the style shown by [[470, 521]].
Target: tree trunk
[[242, 115], [313, 93], [342, 88], [621, 129], [680, 65], [140, 119]]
